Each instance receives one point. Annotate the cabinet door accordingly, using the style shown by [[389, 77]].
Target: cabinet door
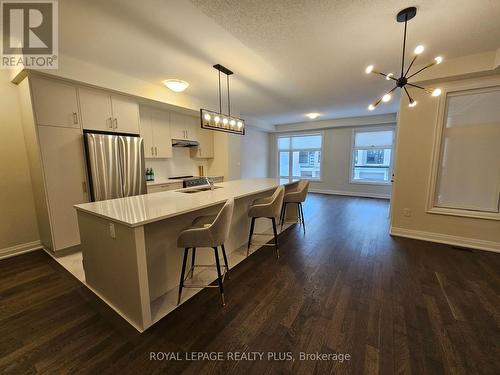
[[65, 181], [96, 109], [161, 134], [205, 149], [125, 114], [146, 132], [192, 126], [177, 126], [55, 103]]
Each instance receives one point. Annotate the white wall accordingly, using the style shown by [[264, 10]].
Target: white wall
[[254, 154], [336, 164], [181, 164], [17, 210]]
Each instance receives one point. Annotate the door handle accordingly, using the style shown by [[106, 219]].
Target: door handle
[[110, 123], [75, 118], [116, 122]]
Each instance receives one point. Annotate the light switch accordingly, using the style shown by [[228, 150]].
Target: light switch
[[112, 232]]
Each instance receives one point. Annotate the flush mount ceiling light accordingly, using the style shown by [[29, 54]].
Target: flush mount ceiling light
[[217, 120], [313, 115], [403, 81], [176, 85]]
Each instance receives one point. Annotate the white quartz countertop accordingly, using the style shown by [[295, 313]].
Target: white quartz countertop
[[143, 209]]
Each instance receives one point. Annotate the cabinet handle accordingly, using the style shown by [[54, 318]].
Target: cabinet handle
[[110, 122], [84, 187], [116, 123], [156, 151], [152, 153], [75, 118]]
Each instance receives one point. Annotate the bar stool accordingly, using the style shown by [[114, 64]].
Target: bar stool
[[206, 231], [269, 208], [297, 195]]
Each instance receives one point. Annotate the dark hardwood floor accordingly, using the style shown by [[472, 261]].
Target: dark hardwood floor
[[345, 286]]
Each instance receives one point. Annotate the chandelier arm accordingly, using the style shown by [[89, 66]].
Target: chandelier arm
[[425, 67], [404, 47], [385, 75], [408, 95], [417, 86], [411, 64]]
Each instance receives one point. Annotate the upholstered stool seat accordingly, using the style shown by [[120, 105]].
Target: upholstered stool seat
[[266, 208], [296, 195], [206, 231]]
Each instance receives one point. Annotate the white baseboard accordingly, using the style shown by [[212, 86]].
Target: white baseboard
[[350, 193], [446, 239], [20, 249]]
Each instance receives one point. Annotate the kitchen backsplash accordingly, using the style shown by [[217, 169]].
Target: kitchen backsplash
[[181, 164]]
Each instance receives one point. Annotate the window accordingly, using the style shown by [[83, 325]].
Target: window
[[299, 156], [466, 172], [372, 156]]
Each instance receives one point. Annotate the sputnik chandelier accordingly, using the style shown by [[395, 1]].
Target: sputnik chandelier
[[218, 120], [403, 81]]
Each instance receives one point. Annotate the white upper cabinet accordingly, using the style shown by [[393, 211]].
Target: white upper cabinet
[[155, 130], [96, 109], [161, 134], [205, 149], [105, 112], [183, 126], [125, 114], [55, 103]]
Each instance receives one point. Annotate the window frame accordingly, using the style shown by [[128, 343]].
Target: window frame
[[485, 85], [290, 151], [354, 148]]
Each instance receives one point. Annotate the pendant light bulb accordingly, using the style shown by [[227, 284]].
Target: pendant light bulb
[[418, 50], [232, 122], [436, 92], [224, 121], [386, 98], [207, 117], [369, 69], [217, 119], [240, 124]]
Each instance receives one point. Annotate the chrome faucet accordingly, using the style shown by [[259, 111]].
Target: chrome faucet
[[210, 183]]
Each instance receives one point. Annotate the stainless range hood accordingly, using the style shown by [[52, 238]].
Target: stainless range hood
[[184, 143]]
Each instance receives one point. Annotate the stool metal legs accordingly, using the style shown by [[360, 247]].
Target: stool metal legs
[[275, 244], [220, 275], [181, 284], [300, 213]]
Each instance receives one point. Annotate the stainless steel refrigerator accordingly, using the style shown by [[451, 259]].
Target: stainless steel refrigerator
[[115, 165]]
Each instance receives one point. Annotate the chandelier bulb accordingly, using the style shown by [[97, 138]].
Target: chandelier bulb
[[412, 104], [438, 60], [388, 76], [418, 50], [386, 98], [369, 69], [371, 107], [436, 92]]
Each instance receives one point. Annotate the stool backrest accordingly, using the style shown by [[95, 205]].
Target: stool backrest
[[302, 189], [277, 200], [219, 229]]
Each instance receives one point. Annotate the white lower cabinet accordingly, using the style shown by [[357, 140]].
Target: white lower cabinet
[[65, 181]]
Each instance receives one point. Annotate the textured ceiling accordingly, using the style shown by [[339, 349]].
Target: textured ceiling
[[289, 57]]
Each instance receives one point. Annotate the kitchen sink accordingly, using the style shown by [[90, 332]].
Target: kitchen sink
[[198, 189]]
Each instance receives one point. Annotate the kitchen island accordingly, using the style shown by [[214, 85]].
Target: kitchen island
[[130, 255]]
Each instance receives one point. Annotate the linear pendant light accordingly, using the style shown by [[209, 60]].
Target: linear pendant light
[[218, 120], [403, 81]]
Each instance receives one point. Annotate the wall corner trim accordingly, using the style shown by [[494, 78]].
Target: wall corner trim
[[473, 243], [8, 252], [351, 193]]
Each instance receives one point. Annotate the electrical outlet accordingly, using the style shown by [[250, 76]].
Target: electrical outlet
[[112, 232], [406, 212]]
